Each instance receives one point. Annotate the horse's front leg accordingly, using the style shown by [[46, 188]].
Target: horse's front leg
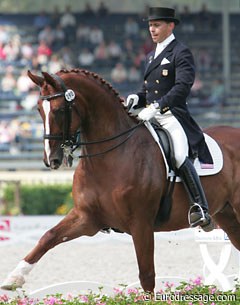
[[143, 239], [74, 225]]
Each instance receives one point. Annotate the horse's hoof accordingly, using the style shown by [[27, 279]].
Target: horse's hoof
[[12, 283]]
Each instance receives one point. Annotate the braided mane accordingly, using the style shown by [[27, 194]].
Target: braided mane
[[95, 76]]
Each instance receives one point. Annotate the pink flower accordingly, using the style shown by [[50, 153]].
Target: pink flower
[[84, 298], [168, 285], [198, 281], [4, 298], [188, 288], [52, 301], [69, 297], [132, 290], [212, 290], [117, 290]]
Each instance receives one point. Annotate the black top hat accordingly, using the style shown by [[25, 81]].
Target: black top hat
[[162, 13]]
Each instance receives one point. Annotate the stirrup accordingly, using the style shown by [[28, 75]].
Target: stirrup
[[202, 220]]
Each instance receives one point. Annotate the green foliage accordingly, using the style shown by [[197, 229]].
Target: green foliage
[[38, 199]]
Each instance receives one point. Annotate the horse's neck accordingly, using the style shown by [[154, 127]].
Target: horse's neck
[[106, 119]]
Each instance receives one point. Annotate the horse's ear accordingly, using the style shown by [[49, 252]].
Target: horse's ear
[[49, 79], [38, 80]]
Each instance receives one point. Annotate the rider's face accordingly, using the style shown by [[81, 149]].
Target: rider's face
[[160, 30]]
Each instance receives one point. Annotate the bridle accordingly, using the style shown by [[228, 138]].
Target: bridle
[[71, 142]]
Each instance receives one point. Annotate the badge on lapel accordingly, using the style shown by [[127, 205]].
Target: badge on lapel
[[150, 59], [164, 72]]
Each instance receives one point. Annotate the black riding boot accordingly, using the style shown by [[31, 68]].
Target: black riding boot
[[198, 213]]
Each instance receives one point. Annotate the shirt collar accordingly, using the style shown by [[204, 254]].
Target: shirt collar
[[162, 45]]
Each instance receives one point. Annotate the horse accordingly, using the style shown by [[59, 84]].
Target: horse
[[120, 179]]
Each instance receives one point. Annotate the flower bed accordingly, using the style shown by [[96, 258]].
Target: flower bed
[[188, 293]]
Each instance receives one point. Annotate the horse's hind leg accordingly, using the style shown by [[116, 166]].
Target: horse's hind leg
[[228, 221], [72, 226]]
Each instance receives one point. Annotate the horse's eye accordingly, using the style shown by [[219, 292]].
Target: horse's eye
[[58, 111]]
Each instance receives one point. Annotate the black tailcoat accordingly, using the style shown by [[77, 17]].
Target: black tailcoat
[[168, 80]]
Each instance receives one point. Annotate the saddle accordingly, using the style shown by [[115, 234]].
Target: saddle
[[164, 140]]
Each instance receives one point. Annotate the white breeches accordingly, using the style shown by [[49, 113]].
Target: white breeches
[[179, 138]]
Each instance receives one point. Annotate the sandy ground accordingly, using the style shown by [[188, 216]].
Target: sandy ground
[[109, 260]]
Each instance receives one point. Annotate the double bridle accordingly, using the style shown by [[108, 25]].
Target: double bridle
[[72, 142]]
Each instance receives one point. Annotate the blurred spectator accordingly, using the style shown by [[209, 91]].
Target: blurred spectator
[[96, 36], [139, 59], [59, 38], [82, 33], [68, 23], [128, 50], [5, 133], [119, 73], [217, 94], [41, 20], [11, 50], [203, 60], [101, 52], [68, 57], [188, 25], [4, 35], [86, 58], [205, 19], [55, 64], [35, 64], [197, 95], [47, 34], [134, 75], [147, 45], [24, 84], [43, 52], [102, 10], [30, 100], [114, 51], [27, 52], [55, 17], [3, 54], [8, 82], [88, 10], [131, 28]]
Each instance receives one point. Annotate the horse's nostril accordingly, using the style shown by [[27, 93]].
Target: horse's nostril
[[54, 164]]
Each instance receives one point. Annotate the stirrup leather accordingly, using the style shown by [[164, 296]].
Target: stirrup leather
[[199, 210]]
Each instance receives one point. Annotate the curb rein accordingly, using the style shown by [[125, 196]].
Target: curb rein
[[70, 142]]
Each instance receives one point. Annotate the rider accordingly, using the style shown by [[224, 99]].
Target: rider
[[168, 78]]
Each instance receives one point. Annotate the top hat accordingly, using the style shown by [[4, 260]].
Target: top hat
[[162, 13]]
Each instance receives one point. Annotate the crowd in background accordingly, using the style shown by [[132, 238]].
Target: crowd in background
[[94, 41]]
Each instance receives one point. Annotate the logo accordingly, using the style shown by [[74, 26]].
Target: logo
[[164, 72]]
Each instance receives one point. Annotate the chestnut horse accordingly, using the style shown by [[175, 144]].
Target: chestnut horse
[[121, 177]]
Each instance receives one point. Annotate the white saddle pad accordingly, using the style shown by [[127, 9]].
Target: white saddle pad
[[201, 169], [216, 155]]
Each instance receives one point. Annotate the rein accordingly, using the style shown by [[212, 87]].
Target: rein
[[70, 143]]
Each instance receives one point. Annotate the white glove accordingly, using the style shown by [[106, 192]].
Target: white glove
[[132, 98], [148, 113]]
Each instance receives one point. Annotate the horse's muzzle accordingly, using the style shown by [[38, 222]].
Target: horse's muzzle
[[55, 163]]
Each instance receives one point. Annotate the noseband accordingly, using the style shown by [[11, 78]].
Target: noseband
[[71, 142]]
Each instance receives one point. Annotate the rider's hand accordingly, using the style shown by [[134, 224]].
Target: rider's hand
[[148, 113], [132, 101]]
